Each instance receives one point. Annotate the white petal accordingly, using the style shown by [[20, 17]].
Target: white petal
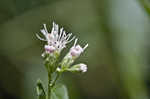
[[56, 28], [68, 36], [61, 31], [45, 28], [40, 38], [85, 46], [63, 36], [75, 42], [71, 39], [43, 32], [53, 27]]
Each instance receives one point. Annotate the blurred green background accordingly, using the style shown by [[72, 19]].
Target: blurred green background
[[118, 55]]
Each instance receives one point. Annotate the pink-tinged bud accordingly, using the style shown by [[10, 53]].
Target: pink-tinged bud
[[76, 50], [83, 67], [79, 48], [49, 49], [78, 68]]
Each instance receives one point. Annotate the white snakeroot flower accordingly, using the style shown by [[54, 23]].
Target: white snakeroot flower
[[82, 67], [57, 38], [76, 50]]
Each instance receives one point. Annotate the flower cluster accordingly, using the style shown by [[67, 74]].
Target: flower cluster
[[57, 40]]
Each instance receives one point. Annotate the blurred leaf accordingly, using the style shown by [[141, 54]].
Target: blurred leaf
[[11, 8], [59, 92], [146, 5], [24, 5], [40, 90]]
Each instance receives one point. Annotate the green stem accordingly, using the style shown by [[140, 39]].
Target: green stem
[[49, 86], [57, 76]]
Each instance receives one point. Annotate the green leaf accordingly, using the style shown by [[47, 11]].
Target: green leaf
[[59, 92], [40, 90]]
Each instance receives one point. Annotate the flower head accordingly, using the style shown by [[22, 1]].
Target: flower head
[[57, 38], [56, 42]]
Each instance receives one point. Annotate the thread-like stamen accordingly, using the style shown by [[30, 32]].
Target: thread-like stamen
[[75, 42], [71, 39], [45, 28], [63, 36], [61, 31], [85, 46], [68, 36], [56, 27], [53, 27], [43, 32], [40, 37]]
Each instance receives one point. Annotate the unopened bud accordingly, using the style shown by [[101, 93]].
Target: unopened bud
[[76, 50], [83, 67], [78, 68]]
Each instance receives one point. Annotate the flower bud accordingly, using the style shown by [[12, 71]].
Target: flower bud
[[78, 68], [76, 51], [49, 49], [83, 67]]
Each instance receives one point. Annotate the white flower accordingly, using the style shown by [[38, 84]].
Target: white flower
[[82, 67], [57, 38], [76, 50]]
